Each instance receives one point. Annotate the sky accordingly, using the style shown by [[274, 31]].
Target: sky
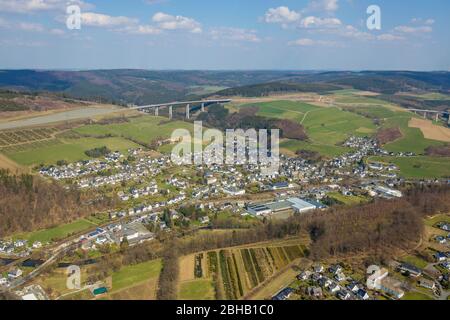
[[225, 35]]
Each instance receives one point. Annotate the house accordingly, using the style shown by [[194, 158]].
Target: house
[[409, 269], [318, 268], [305, 275], [283, 294], [204, 219], [440, 257], [343, 295], [334, 287], [3, 281], [353, 286], [392, 287], [441, 239], [15, 273], [362, 294], [315, 292], [427, 284], [339, 277], [37, 245], [334, 269]]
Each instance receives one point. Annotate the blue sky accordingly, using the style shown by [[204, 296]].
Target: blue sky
[[226, 34]]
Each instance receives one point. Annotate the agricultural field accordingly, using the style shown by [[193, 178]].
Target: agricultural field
[[70, 150], [347, 200], [326, 127], [420, 167], [413, 139], [237, 271], [56, 233], [143, 129], [11, 138], [136, 282]]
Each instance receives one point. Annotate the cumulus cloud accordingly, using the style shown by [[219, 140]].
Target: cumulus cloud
[[102, 20], [31, 6], [282, 15], [315, 22], [323, 5], [169, 22], [235, 34]]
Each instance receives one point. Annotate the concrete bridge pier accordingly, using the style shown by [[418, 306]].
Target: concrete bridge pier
[[157, 111], [437, 117], [170, 112], [188, 111], [203, 107]]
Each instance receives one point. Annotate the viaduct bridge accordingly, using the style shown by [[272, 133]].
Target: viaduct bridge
[[189, 106], [436, 113]]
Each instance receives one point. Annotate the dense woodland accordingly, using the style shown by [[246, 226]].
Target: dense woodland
[[29, 203]]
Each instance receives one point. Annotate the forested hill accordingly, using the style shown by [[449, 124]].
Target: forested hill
[[265, 89], [145, 86]]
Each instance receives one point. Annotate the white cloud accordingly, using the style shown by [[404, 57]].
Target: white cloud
[[282, 15], [315, 22], [323, 5], [169, 22], [30, 6], [235, 34], [102, 20], [414, 30], [143, 30], [306, 42]]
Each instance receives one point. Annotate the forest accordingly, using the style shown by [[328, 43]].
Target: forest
[[29, 203]]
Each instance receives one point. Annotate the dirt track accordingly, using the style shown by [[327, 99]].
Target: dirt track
[[430, 130]]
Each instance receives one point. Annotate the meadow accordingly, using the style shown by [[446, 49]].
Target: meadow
[[133, 275], [143, 129], [326, 127], [421, 167], [70, 150], [56, 233]]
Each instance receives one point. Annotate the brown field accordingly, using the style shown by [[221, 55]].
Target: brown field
[[6, 163], [144, 291], [430, 130], [187, 268]]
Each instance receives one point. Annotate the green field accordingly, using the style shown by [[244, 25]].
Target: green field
[[71, 150], [201, 289], [416, 296], [326, 127], [59, 232], [132, 275], [143, 129], [347, 200], [421, 167], [325, 150], [415, 261], [412, 140]]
